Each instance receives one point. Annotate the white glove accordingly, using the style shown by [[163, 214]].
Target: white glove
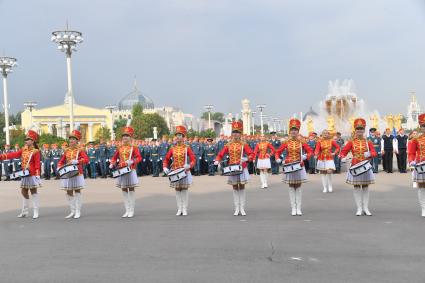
[[186, 166], [74, 162], [413, 163], [244, 159], [367, 154], [111, 166], [200, 158], [166, 170], [51, 163], [129, 162], [304, 156], [279, 161], [216, 163], [344, 159]]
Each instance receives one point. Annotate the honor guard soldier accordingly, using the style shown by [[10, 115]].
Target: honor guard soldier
[[102, 157], [401, 151], [388, 144], [162, 151], [46, 156], [92, 154], [276, 143], [312, 141], [376, 141], [7, 163], [210, 154], [417, 159], [30, 156], [362, 150], [111, 151], [197, 151], [56, 154], [146, 156], [155, 158], [340, 141]]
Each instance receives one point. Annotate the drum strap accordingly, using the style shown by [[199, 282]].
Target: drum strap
[[242, 148], [185, 156], [29, 159], [131, 153]]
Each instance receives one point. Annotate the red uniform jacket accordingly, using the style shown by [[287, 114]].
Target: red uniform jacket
[[263, 150], [25, 154], [71, 154], [293, 146], [324, 149], [123, 154], [178, 153], [358, 147], [416, 150], [234, 151]]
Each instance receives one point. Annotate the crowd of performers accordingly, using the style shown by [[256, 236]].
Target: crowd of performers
[[236, 157]]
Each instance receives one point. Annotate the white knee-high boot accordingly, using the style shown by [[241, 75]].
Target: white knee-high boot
[[421, 197], [35, 205], [262, 179], [298, 200], [324, 182], [25, 208], [126, 203], [132, 203], [185, 201], [71, 202], [266, 175], [179, 203], [329, 177], [357, 192], [78, 204], [292, 201], [366, 201], [242, 199], [236, 202]]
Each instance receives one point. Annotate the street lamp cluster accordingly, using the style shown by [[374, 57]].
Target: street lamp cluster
[[6, 67]]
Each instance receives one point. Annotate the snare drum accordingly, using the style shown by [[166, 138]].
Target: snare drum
[[292, 167], [19, 174], [68, 171], [360, 168], [232, 170], [120, 172], [420, 167], [177, 175]]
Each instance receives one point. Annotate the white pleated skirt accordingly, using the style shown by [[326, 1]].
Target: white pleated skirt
[[364, 179], [240, 179], [183, 184], [324, 165], [129, 180], [30, 182], [295, 178], [418, 177], [74, 183], [264, 163]]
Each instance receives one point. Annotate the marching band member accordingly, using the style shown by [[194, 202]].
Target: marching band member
[[362, 150], [30, 159], [325, 159], [236, 150], [416, 156], [127, 155], [263, 150], [180, 153], [294, 147], [74, 155]]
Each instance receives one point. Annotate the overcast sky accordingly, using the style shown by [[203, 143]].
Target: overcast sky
[[189, 53]]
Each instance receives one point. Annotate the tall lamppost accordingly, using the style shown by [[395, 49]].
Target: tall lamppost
[[253, 121], [6, 67], [67, 41], [30, 105], [209, 108], [275, 121], [111, 109], [261, 107]]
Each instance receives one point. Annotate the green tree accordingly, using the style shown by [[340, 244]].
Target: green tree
[[215, 116], [50, 139], [118, 125], [145, 125], [103, 133]]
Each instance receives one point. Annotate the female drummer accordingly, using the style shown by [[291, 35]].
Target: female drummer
[[362, 150], [417, 156], [74, 155], [326, 149], [30, 159], [263, 150], [127, 155], [181, 154], [236, 150], [294, 147]]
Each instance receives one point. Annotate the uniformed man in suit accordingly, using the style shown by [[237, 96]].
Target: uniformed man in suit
[[146, 156], [46, 159], [340, 141], [376, 141], [197, 151], [388, 144], [92, 154], [155, 158], [276, 144], [209, 154], [111, 151], [162, 151]]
